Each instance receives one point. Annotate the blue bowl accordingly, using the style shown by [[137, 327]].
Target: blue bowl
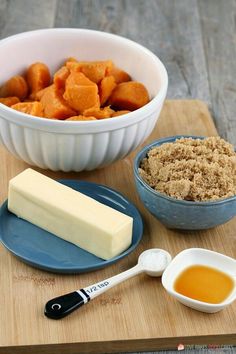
[[181, 214]]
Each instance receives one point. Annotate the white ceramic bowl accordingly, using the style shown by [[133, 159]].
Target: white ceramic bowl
[[199, 256], [77, 146]]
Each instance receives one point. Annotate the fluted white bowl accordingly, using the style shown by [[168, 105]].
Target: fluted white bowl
[[75, 145]]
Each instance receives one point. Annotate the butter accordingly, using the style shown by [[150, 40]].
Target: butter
[[69, 214]]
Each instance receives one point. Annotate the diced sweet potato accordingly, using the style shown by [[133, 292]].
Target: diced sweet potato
[[9, 101], [33, 108], [107, 85], [129, 96], [99, 113], [40, 93], [81, 98], [119, 113], [94, 70], [54, 105], [38, 77], [78, 78], [80, 92], [60, 77], [73, 65], [71, 59], [81, 118], [119, 75], [15, 86]]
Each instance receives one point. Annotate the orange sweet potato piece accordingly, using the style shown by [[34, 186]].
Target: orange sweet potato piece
[[33, 108], [119, 75], [38, 77], [15, 86], [73, 65], [81, 118], [119, 113], [81, 98], [129, 96], [94, 70], [9, 101], [60, 77], [40, 93], [78, 78], [54, 105], [99, 113], [71, 59], [107, 85], [80, 92]]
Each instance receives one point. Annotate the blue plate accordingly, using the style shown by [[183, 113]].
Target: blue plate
[[44, 250]]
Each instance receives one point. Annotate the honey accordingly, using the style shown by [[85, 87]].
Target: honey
[[204, 283]]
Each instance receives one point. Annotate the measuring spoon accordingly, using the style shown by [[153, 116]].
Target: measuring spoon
[[153, 262]]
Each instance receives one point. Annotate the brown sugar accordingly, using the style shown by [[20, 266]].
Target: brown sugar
[[192, 169]]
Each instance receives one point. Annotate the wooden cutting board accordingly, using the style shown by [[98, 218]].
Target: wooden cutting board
[[137, 315]]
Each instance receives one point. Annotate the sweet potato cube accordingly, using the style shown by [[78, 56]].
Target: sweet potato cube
[[60, 77], [40, 93], [81, 98], [9, 101], [129, 96], [120, 113], [54, 104], [73, 66], [80, 92], [99, 113], [71, 60], [15, 86], [38, 77], [81, 118], [32, 108], [119, 75], [94, 70], [78, 78], [107, 85]]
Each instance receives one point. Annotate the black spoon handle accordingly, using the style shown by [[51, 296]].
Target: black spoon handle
[[62, 306]]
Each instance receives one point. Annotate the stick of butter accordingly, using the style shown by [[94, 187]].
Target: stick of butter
[[69, 214]]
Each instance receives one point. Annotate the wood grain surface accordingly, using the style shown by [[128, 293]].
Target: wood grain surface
[[136, 315]]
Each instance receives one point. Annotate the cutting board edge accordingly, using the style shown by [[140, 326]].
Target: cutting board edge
[[131, 345]]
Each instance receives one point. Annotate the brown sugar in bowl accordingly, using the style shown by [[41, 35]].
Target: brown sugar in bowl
[[176, 213]]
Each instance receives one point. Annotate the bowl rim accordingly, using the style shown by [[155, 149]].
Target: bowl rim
[[109, 122], [158, 142]]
